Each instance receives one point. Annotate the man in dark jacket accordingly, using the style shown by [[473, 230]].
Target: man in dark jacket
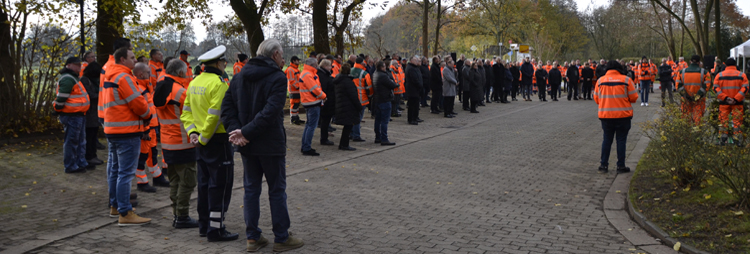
[[383, 86], [476, 81], [489, 82], [436, 85], [498, 71], [601, 69], [459, 70], [587, 75], [465, 84], [424, 69], [329, 107], [527, 76], [555, 79], [516, 73], [571, 76], [541, 81], [665, 81], [413, 82], [252, 112], [482, 82], [507, 84]]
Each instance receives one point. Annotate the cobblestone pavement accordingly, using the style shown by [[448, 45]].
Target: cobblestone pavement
[[515, 178]]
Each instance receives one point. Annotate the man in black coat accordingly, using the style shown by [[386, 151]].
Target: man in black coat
[[601, 69], [541, 81], [482, 82], [465, 84], [507, 84], [424, 68], [414, 87], [383, 85], [587, 75], [516, 73], [459, 70], [253, 115], [329, 107], [527, 77], [489, 82], [436, 85], [572, 77], [666, 82], [554, 80], [498, 72]]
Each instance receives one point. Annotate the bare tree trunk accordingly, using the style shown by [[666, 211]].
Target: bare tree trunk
[[682, 38], [320, 27], [717, 29], [109, 27], [437, 27], [250, 15], [425, 17], [9, 96]]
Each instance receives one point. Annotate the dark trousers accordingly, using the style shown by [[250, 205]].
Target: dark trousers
[[215, 178], [413, 109], [344, 140], [474, 104], [615, 128], [459, 91], [274, 169], [554, 92], [487, 92], [91, 142], [467, 99], [325, 122], [436, 100], [573, 90], [542, 92], [587, 90], [423, 95], [448, 102], [395, 104], [514, 90]]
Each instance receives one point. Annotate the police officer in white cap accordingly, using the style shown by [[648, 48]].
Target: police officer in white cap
[[201, 117]]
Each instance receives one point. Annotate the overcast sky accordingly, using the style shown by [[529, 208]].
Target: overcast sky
[[221, 11]]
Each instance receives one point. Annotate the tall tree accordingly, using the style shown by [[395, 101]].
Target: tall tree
[[251, 16], [425, 27], [110, 17], [320, 26], [701, 21], [341, 24]]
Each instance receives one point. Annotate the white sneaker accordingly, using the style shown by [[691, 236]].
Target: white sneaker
[[646, 104], [642, 104]]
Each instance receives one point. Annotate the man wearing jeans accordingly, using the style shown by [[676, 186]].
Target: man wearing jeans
[[126, 116], [71, 104], [252, 113], [382, 98], [312, 97], [364, 91], [614, 93]]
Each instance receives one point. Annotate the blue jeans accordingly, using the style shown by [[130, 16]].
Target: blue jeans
[[645, 89], [612, 128], [274, 169], [74, 148], [357, 128], [123, 159], [313, 114], [382, 117]]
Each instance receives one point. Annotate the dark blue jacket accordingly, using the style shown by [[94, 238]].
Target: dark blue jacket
[[527, 73], [254, 103]]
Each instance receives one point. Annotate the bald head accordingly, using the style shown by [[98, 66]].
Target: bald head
[[141, 71]]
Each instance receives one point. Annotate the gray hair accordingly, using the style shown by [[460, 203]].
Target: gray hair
[[141, 67], [324, 62], [268, 47], [311, 61], [416, 57], [663, 60], [394, 62], [176, 68]]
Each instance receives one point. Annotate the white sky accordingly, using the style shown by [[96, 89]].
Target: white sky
[[222, 10]]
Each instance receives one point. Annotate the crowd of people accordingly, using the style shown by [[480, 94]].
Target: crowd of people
[[199, 119]]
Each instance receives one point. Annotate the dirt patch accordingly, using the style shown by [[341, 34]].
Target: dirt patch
[[704, 216]]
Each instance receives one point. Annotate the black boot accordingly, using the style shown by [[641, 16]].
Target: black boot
[[621, 170], [222, 235], [161, 181], [145, 187], [603, 169], [184, 222], [297, 121]]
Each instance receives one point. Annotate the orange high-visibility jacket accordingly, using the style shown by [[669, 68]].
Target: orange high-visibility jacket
[[335, 68], [124, 106], [694, 80], [643, 72], [188, 71], [292, 77], [403, 78], [76, 102], [173, 134], [156, 69], [615, 93], [654, 71], [107, 65], [309, 87], [731, 83], [84, 64], [237, 67], [364, 83], [148, 93], [397, 78]]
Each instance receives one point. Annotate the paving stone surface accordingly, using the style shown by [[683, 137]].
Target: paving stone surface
[[515, 178]]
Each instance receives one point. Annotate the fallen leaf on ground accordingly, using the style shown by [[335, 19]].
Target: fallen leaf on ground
[[557, 204], [617, 191], [738, 213], [677, 246], [166, 238], [474, 193], [657, 199], [306, 180], [24, 206]]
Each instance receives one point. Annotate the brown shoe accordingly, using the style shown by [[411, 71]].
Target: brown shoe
[[113, 213], [132, 219], [290, 244], [257, 244]]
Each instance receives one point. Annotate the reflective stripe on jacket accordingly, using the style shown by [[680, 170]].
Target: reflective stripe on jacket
[[148, 93], [156, 69], [614, 93], [363, 82], [201, 112], [237, 68], [694, 80], [74, 102], [309, 87], [172, 131], [292, 76]]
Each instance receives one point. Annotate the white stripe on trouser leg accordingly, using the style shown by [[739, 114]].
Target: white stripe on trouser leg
[[215, 215], [214, 224], [141, 175], [155, 170]]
